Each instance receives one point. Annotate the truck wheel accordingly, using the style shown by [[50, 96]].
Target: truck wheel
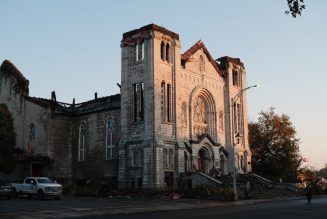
[[40, 194]]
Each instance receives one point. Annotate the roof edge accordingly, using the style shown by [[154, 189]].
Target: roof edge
[[151, 27], [9, 68]]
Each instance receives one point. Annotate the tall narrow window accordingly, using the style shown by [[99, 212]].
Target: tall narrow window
[[136, 157], [163, 101], [165, 157], [139, 51], [235, 78], [202, 64], [239, 119], [171, 157], [32, 132], [184, 114], [131, 157], [235, 118], [221, 121], [81, 145], [167, 53], [185, 162], [109, 140], [143, 51], [162, 51], [168, 102], [141, 90], [135, 101], [141, 157]]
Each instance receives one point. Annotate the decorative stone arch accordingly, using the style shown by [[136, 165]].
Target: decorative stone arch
[[198, 96], [205, 157]]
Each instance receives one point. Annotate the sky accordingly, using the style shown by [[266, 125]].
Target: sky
[[73, 47]]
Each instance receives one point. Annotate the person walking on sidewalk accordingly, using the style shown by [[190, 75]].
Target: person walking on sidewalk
[[308, 193]]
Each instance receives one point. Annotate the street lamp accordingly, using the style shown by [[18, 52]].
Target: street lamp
[[233, 102]]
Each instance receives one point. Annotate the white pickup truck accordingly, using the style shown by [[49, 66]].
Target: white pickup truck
[[40, 186]]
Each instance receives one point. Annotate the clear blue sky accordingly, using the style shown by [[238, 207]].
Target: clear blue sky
[[73, 47]]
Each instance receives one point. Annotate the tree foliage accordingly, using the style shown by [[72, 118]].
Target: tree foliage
[[275, 148], [295, 7], [7, 141]]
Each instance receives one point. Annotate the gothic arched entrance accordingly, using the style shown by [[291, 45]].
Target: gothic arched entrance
[[204, 160]]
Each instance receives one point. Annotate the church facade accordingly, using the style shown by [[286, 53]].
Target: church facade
[[173, 116]]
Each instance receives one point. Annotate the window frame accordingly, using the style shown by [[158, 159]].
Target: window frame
[[81, 142], [109, 140]]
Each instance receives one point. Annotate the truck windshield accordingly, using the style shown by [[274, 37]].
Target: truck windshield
[[45, 180]]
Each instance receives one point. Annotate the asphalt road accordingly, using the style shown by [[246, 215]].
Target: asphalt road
[[290, 209], [90, 207]]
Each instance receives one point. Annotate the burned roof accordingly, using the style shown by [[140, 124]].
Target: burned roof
[[200, 45], [91, 106], [225, 60], [151, 27], [8, 67]]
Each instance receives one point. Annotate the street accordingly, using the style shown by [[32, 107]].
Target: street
[[91, 207]]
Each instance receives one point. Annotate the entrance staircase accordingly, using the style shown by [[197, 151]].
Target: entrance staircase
[[248, 185]]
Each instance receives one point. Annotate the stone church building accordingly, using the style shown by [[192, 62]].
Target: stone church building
[[172, 116]]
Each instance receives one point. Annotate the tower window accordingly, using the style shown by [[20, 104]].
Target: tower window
[[139, 51], [163, 101], [236, 78], [167, 53], [162, 51], [138, 96], [168, 102]]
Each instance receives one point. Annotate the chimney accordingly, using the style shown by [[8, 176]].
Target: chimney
[[95, 95]]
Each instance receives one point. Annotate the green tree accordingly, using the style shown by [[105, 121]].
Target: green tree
[[295, 7], [275, 148], [7, 141]]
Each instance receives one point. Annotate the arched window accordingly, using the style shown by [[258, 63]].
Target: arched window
[[202, 64], [162, 51], [167, 52], [165, 157], [32, 132], [81, 143], [221, 121], [109, 140], [171, 157]]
